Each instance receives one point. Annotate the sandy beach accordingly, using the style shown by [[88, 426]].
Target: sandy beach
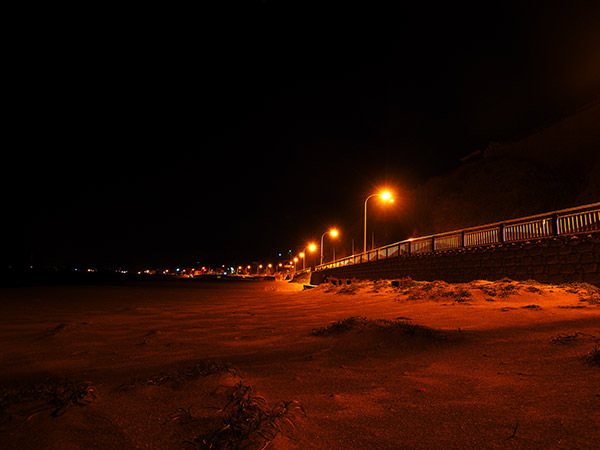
[[190, 364]]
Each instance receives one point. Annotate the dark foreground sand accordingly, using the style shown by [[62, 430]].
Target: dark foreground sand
[[182, 364]]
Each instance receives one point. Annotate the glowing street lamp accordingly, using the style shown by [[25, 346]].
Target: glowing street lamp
[[333, 233], [386, 196], [301, 255], [311, 248]]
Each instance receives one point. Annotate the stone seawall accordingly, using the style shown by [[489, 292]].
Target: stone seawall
[[556, 260]]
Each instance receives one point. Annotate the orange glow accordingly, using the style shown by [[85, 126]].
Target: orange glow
[[334, 232], [295, 260], [301, 255], [387, 196], [270, 265], [312, 247]]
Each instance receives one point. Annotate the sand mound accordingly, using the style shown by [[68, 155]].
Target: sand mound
[[367, 331]]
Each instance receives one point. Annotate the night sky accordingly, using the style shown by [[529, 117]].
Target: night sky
[[226, 135]]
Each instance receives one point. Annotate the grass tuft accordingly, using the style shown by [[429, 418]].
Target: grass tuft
[[202, 369], [349, 289], [587, 292], [532, 307]]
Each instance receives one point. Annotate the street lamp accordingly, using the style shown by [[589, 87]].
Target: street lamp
[[333, 233], [311, 248], [385, 196]]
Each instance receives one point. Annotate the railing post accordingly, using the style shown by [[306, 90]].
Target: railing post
[[409, 248], [502, 233], [555, 225], [433, 243], [463, 239]]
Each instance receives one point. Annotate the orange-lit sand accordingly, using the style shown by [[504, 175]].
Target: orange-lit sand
[[497, 380]]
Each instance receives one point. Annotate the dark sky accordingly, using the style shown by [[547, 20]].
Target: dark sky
[[224, 135]]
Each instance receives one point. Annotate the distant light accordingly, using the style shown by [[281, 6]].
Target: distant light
[[260, 266], [295, 259], [386, 195], [301, 255], [334, 232], [177, 270], [248, 267], [270, 265], [312, 247], [279, 254], [280, 264]]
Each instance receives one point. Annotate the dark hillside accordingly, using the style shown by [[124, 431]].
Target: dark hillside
[[554, 168]]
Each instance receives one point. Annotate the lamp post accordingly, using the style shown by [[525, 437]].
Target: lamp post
[[333, 233], [385, 196]]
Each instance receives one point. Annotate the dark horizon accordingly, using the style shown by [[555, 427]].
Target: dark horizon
[[249, 133]]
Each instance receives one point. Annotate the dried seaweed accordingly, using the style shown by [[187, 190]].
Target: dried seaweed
[[56, 395], [247, 422]]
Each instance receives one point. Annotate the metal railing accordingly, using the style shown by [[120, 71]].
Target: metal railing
[[582, 219]]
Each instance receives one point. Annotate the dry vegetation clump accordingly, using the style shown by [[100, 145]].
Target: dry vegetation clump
[[431, 290], [56, 395], [57, 329], [349, 289], [565, 338], [176, 378], [507, 287], [587, 292], [378, 285], [357, 323], [404, 283], [246, 422], [341, 326], [593, 358]]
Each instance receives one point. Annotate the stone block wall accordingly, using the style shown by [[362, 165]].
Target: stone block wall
[[556, 260]]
